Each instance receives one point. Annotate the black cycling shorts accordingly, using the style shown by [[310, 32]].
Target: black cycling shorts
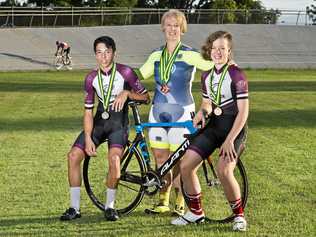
[[214, 135], [114, 130]]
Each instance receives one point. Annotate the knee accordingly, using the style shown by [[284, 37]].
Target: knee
[[224, 171], [185, 168], [73, 158]]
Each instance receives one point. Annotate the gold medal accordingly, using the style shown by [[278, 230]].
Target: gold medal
[[218, 111], [105, 115]]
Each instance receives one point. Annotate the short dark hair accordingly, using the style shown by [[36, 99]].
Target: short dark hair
[[108, 41]]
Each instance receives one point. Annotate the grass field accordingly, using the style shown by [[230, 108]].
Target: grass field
[[41, 114]]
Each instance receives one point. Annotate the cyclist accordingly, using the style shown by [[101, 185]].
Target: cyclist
[[113, 83], [173, 66], [225, 97], [62, 47]]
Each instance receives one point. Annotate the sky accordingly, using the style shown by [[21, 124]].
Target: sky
[[288, 4]]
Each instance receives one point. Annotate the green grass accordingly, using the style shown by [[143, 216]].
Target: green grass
[[41, 114]]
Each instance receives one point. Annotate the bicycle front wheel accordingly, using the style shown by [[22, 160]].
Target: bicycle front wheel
[[58, 62], [129, 191], [214, 201]]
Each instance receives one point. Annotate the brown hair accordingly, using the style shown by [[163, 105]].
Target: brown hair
[[180, 19], [207, 47]]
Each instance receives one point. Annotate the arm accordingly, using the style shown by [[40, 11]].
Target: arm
[[205, 110], [121, 98], [147, 70], [227, 150], [90, 148]]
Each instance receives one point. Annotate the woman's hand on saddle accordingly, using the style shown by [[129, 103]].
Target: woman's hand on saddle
[[227, 151], [199, 119]]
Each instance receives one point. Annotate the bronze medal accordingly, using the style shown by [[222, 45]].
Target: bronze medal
[[165, 89], [218, 111]]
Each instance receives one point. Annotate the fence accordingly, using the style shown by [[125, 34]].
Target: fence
[[84, 16]]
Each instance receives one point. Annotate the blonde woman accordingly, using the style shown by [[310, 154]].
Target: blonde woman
[[173, 66]]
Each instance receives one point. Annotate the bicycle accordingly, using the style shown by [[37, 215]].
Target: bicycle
[[139, 179], [62, 60]]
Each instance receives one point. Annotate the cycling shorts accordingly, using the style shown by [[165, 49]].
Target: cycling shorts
[[214, 135], [168, 137], [114, 130]]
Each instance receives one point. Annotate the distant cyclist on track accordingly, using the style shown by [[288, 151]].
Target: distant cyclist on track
[[62, 47]]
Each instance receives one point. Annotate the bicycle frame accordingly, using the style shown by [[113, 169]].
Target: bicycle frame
[[141, 141]]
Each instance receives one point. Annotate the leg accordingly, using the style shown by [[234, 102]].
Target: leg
[[161, 155], [114, 157], [225, 171], [75, 157], [179, 205], [191, 185]]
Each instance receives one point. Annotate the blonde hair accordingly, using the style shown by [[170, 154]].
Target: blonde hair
[[207, 47], [182, 21]]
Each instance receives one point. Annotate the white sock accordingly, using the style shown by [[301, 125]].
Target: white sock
[[75, 197], [110, 198]]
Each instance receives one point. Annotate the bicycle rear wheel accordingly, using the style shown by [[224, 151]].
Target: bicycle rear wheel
[[215, 204], [129, 191]]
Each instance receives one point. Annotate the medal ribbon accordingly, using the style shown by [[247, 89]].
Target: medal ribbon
[[216, 96], [167, 62], [106, 98]]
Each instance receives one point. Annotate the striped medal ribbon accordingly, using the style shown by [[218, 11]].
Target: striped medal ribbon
[[165, 66], [216, 95], [106, 96]]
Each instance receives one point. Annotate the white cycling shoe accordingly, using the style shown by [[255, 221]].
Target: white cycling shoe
[[240, 224], [188, 218]]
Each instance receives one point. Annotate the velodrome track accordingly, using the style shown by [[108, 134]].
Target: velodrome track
[[256, 46]]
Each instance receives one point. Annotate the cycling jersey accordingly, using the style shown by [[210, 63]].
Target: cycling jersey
[[115, 129], [63, 45], [182, 75], [178, 103], [125, 79], [234, 87]]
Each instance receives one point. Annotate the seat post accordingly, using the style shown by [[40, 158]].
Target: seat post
[[136, 116]]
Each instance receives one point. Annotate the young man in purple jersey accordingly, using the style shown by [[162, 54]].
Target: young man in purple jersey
[[225, 100], [113, 83]]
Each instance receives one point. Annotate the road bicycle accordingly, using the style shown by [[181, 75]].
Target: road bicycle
[[138, 178], [62, 60]]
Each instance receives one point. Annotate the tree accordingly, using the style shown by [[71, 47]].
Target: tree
[[311, 12]]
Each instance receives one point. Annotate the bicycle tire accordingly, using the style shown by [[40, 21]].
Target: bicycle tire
[[58, 62], [214, 202], [129, 192]]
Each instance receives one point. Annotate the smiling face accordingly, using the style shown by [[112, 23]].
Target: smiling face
[[220, 51], [172, 29], [104, 56]]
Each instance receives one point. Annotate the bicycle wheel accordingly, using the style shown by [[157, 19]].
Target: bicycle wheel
[[129, 191], [59, 62], [68, 62], [214, 202]]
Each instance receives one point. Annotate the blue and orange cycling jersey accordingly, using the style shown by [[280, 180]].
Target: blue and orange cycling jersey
[[181, 76]]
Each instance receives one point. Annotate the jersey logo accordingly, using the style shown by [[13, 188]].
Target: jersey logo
[[179, 56]]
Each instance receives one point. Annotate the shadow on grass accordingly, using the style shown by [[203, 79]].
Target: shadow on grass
[[272, 119], [61, 86]]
